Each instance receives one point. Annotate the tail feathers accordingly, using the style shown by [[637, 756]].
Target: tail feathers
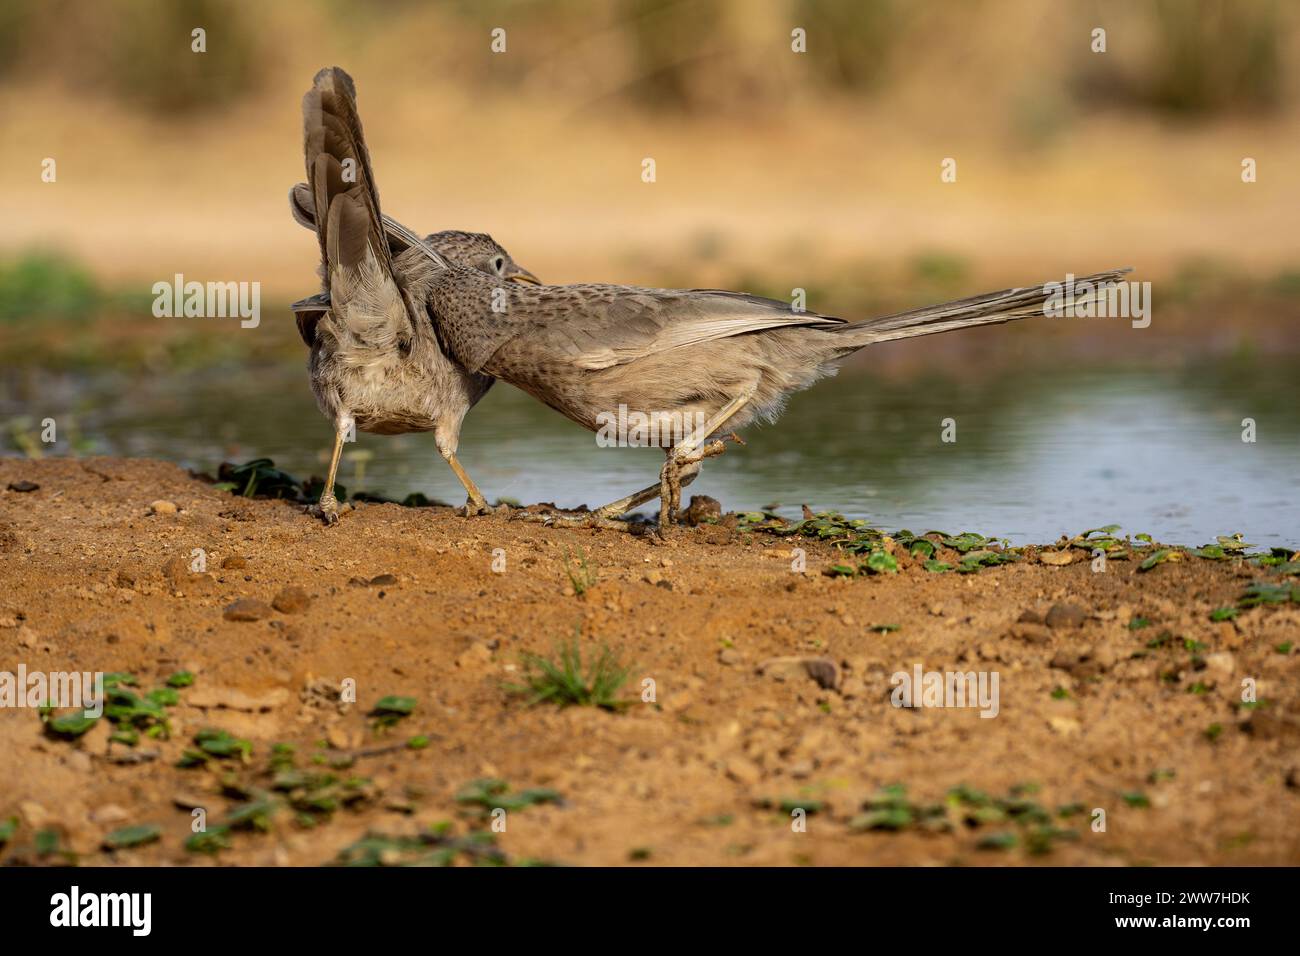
[[400, 238], [341, 183], [989, 309]]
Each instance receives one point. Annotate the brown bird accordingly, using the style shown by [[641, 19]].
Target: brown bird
[[689, 362], [376, 363]]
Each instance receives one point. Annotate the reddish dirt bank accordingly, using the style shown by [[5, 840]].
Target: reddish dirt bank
[[1144, 722]]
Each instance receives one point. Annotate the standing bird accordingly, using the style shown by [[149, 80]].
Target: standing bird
[[376, 363], [674, 356]]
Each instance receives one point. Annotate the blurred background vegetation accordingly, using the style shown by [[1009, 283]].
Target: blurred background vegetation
[[776, 169]]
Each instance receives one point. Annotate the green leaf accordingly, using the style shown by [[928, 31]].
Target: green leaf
[[180, 679], [1159, 557], [71, 725], [132, 836], [881, 562]]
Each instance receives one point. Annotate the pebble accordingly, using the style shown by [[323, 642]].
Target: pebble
[[383, 580], [730, 656], [1031, 633], [234, 563], [1066, 615], [292, 600], [702, 510], [743, 771], [109, 813], [247, 609], [22, 487], [1056, 559], [34, 814], [162, 507], [1221, 664], [823, 670]]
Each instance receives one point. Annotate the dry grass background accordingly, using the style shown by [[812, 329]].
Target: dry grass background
[[791, 168]]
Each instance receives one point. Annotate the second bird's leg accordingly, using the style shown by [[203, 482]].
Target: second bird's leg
[[327, 506], [476, 504], [603, 517], [691, 450]]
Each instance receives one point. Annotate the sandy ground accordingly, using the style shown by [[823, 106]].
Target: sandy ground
[[1092, 713]]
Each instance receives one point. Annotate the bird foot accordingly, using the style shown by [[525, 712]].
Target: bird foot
[[593, 519], [670, 479], [473, 509], [327, 510]]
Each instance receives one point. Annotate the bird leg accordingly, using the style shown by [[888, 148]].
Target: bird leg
[[327, 507], [477, 504], [679, 470], [691, 450]]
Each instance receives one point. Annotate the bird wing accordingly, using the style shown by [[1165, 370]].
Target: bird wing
[[596, 327]]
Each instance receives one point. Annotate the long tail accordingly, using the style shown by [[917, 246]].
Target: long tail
[[339, 175], [357, 264], [988, 309]]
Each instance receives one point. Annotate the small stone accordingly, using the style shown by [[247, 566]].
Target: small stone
[[292, 600], [703, 510], [1065, 726], [730, 656], [383, 580], [743, 771], [176, 571], [109, 813], [234, 562], [1030, 615], [1066, 615], [1105, 656], [341, 738], [1056, 559], [35, 814], [823, 670], [1221, 664], [22, 487], [1031, 633], [161, 507], [477, 654], [247, 609]]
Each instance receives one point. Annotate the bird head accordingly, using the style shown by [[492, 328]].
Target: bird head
[[478, 250]]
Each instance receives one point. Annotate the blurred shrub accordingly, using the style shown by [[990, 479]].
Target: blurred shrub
[[1191, 57], [853, 42], [668, 42], [151, 61], [46, 285], [140, 51]]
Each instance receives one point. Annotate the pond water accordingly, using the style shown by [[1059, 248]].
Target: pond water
[[1039, 451]]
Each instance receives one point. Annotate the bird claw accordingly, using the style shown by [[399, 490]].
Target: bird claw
[[326, 510]]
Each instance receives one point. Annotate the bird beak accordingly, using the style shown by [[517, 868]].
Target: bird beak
[[523, 275]]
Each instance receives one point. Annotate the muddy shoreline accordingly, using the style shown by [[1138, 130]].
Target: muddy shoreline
[[771, 738]]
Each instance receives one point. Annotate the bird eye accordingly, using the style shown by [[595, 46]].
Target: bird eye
[[499, 265]]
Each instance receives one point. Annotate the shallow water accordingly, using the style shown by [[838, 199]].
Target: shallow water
[[1039, 451]]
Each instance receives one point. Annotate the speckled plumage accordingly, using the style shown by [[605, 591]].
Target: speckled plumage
[[588, 349]]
